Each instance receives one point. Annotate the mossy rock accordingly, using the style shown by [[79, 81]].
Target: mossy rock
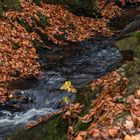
[[131, 70], [25, 25], [9, 4], [128, 43], [53, 129], [43, 21], [38, 2], [56, 127]]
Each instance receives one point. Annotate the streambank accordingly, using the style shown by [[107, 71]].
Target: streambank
[[56, 127], [96, 60]]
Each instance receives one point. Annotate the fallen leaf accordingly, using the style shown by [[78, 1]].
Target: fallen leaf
[[129, 124], [112, 132]]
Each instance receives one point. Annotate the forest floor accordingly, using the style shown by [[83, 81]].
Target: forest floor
[[114, 114], [18, 57]]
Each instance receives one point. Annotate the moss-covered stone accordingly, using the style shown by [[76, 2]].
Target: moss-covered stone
[[43, 22], [81, 126], [26, 25], [131, 70], [38, 2], [1, 10], [9, 4], [53, 129], [56, 127], [85, 98]]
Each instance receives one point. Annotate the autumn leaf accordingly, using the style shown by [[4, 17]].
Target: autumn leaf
[[68, 87]]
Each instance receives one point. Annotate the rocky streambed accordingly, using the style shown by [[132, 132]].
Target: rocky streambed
[[35, 98], [43, 96]]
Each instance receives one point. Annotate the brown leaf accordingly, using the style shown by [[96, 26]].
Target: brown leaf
[[112, 132]]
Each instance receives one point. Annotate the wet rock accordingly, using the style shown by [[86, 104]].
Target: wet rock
[[128, 55]]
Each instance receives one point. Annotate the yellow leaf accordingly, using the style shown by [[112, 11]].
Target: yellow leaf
[[68, 87]]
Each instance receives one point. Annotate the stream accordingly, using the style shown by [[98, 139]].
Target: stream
[[37, 97], [43, 96]]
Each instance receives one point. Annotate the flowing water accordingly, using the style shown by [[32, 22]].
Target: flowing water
[[35, 98], [43, 96]]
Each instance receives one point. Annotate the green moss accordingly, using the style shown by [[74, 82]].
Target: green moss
[[129, 71], [71, 26], [56, 128], [38, 2], [86, 101], [16, 5], [121, 116], [16, 46], [11, 4], [1, 11], [43, 22], [43, 37], [60, 37], [81, 126], [25, 25], [132, 69], [39, 46], [29, 28], [137, 34], [53, 129]]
